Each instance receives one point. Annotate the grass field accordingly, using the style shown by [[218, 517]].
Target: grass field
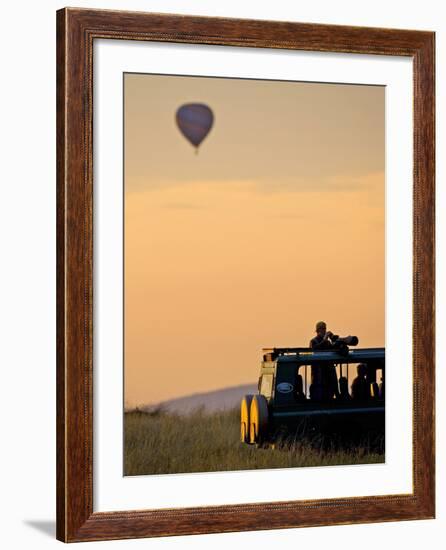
[[163, 443]]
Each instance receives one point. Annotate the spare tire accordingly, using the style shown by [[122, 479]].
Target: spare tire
[[245, 407], [258, 419]]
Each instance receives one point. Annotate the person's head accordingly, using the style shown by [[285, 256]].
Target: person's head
[[321, 328], [362, 369]]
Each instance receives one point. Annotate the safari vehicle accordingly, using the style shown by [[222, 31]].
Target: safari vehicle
[[285, 399]]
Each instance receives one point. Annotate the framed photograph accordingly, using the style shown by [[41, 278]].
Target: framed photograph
[[245, 278]]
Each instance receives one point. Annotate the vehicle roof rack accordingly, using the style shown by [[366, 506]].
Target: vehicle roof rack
[[283, 351], [301, 354], [271, 353]]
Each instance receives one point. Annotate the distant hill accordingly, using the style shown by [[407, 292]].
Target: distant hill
[[217, 400]]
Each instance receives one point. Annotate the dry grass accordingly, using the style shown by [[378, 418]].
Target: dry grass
[[162, 443]]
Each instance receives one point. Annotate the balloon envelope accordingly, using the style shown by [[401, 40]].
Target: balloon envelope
[[194, 121]]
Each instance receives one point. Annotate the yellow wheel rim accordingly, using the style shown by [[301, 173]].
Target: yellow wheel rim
[[243, 432], [244, 418], [252, 432]]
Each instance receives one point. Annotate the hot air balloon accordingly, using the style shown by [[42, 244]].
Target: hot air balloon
[[194, 121]]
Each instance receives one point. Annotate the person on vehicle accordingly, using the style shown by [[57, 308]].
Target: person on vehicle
[[324, 380], [322, 340], [360, 385]]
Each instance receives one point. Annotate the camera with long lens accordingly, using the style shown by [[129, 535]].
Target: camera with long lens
[[341, 344]]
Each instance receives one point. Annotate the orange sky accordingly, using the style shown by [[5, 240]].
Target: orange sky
[[277, 223]]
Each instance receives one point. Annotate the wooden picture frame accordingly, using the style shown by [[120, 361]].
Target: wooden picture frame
[[76, 31]]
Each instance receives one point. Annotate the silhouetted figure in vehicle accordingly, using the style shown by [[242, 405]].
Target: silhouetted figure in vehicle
[[324, 380], [360, 385], [374, 390], [381, 389]]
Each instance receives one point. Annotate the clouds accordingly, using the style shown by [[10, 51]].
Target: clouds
[[263, 185], [182, 206]]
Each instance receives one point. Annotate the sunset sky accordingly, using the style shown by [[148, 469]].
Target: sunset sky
[[277, 223]]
